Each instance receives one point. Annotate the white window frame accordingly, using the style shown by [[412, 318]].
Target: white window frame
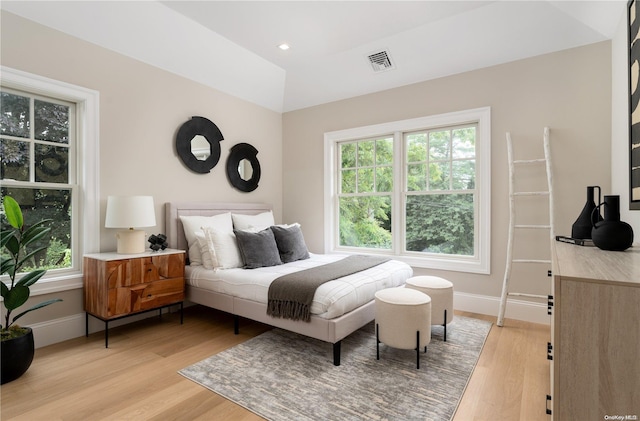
[[481, 261], [86, 196]]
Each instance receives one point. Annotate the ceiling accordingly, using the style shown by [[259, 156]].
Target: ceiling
[[235, 43]]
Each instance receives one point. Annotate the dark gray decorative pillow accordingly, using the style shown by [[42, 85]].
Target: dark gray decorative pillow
[[258, 249], [290, 243]]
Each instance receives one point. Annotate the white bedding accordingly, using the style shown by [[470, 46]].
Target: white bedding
[[332, 299]]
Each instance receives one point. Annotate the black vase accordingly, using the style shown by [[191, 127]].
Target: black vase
[[611, 234], [16, 355], [582, 227]]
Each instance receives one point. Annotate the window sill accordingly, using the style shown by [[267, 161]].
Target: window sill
[[466, 265], [57, 284], [454, 265]]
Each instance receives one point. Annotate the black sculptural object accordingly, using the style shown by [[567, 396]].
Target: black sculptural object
[[158, 242], [612, 233], [581, 229]]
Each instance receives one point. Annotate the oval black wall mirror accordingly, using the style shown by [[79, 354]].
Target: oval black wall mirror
[[243, 167], [198, 144]]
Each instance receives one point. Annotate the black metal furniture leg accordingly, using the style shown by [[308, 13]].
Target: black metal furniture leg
[[236, 324], [445, 325], [336, 353], [377, 343], [106, 321], [417, 349]]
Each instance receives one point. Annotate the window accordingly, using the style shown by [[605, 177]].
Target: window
[[48, 151], [36, 141], [418, 190], [364, 200]]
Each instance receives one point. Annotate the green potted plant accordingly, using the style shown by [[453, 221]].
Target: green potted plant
[[17, 342]]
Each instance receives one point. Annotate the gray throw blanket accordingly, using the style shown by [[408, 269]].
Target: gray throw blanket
[[290, 295]]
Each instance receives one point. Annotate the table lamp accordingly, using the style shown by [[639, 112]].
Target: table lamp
[[130, 212]]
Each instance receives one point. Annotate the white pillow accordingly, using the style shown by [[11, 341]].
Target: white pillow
[[258, 222], [295, 224], [194, 224], [226, 248], [209, 260]]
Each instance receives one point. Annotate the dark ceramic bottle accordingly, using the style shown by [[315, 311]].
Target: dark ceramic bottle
[[612, 233], [582, 227]]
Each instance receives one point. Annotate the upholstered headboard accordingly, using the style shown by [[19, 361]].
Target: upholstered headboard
[[173, 211]]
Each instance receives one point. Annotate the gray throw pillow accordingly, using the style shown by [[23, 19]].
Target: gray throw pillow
[[258, 249], [290, 243]]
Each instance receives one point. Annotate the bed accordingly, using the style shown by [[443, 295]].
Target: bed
[[227, 290]]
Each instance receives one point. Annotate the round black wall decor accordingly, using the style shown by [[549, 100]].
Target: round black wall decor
[[192, 128], [240, 181]]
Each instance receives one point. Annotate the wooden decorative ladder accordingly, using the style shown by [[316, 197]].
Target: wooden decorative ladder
[[514, 227]]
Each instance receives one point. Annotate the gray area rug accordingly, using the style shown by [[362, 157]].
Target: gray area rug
[[281, 375]]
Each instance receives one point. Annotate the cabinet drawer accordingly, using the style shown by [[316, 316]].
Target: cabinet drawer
[[127, 272], [169, 265], [144, 296]]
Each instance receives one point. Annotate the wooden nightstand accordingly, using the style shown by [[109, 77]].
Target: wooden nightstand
[[121, 285]]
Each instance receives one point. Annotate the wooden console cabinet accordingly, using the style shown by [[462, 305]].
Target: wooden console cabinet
[[120, 285], [595, 333]]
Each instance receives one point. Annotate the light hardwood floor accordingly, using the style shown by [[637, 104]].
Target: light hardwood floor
[[137, 379]]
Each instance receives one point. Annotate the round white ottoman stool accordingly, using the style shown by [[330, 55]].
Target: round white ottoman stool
[[441, 292], [403, 320]]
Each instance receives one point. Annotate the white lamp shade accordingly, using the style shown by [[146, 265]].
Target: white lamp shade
[[130, 212]]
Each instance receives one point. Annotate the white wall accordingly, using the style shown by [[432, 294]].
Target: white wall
[[620, 128]]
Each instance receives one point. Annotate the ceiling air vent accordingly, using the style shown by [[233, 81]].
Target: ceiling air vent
[[380, 61]]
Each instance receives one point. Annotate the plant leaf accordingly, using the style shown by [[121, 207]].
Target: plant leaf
[[34, 233], [40, 223], [28, 256], [31, 278], [4, 288], [6, 236], [15, 297], [12, 245], [12, 212], [37, 306], [7, 266]]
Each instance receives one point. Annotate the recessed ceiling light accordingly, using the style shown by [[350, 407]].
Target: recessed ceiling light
[[283, 47]]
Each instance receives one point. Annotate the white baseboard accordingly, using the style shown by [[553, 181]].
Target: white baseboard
[[62, 329], [516, 309], [58, 330]]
